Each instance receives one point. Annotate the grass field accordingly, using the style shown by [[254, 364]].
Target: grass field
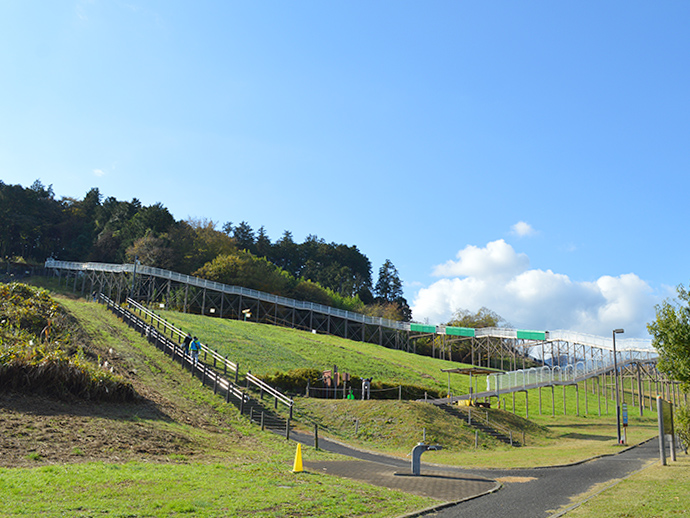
[[560, 437], [227, 468], [210, 478], [658, 491], [210, 489]]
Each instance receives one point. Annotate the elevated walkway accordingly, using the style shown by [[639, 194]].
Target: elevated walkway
[[192, 294], [523, 380]]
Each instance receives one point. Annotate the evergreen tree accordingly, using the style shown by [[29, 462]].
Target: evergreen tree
[[244, 236], [388, 290], [389, 286], [263, 243]]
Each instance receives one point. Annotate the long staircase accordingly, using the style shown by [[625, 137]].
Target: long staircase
[[212, 369], [476, 420]]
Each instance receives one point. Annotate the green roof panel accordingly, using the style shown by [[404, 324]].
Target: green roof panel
[[459, 331], [422, 328], [531, 335]]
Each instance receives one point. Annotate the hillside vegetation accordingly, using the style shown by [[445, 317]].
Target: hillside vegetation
[[35, 226], [41, 350], [574, 432], [177, 449]]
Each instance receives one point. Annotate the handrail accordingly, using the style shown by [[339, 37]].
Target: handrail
[[258, 383], [623, 344], [229, 289], [545, 376], [206, 373], [181, 334], [267, 388]]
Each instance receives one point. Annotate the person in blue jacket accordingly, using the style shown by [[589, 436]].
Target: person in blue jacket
[[194, 348]]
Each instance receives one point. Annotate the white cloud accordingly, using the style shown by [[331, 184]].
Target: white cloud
[[523, 229], [497, 259], [98, 172], [499, 278]]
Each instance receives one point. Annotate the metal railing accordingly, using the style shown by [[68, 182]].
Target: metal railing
[[177, 352], [622, 344], [231, 290], [175, 332], [634, 345], [227, 365], [535, 377]]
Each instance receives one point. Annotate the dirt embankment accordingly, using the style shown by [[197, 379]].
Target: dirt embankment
[[37, 429]]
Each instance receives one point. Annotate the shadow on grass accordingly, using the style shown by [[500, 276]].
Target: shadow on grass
[[41, 405], [588, 437]]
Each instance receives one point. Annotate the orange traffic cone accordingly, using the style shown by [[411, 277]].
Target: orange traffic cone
[[297, 467]]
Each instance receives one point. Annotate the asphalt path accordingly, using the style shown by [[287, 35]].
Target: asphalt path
[[545, 492], [529, 492]]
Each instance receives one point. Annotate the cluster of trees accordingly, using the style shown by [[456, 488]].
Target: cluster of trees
[[460, 350], [671, 338], [35, 225]]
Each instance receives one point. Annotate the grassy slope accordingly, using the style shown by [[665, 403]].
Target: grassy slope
[[569, 438], [227, 467], [393, 427], [264, 349]]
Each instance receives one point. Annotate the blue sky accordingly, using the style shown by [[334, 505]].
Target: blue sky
[[530, 157]]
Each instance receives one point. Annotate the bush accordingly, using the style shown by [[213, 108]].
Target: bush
[[295, 382], [682, 425], [37, 353]]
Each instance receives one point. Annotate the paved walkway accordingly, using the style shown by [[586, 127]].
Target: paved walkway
[[435, 482], [533, 493], [440, 485], [549, 492]]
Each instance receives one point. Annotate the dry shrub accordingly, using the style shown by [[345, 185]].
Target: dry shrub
[[35, 334]]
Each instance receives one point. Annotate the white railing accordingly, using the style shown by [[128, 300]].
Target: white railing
[[225, 288], [622, 344], [227, 364], [536, 376]]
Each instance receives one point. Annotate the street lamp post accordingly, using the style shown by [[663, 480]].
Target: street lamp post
[[615, 374]]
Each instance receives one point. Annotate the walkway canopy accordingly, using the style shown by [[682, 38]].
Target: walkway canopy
[[471, 371]]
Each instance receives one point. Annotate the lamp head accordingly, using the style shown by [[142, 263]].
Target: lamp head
[[618, 331]]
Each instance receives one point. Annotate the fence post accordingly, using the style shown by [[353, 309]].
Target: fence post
[[242, 403], [316, 436], [262, 421], [399, 392], [227, 392], [287, 428]]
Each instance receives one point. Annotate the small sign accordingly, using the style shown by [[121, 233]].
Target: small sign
[[625, 414]]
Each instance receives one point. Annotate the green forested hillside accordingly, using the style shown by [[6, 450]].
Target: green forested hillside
[[35, 226]]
